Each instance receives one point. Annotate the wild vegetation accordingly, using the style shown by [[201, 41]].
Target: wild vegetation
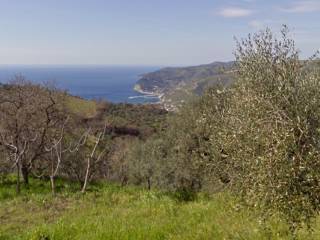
[[241, 162], [258, 138]]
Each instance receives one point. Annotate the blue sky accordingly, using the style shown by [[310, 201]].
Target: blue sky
[[145, 32]]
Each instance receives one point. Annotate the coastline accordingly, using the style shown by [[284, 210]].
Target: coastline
[[160, 96], [138, 89]]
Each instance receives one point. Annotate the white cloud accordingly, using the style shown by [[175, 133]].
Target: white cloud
[[303, 7], [233, 12]]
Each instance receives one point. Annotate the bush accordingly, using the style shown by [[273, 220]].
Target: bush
[[270, 128]]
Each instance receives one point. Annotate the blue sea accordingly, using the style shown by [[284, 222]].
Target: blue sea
[[112, 83]]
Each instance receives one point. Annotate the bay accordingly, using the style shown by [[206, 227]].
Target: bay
[[111, 83]]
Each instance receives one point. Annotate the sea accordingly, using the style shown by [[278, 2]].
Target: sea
[[112, 83]]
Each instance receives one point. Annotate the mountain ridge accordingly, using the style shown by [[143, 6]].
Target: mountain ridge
[[175, 85]]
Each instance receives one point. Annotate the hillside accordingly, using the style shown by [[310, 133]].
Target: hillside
[[120, 114], [177, 85]]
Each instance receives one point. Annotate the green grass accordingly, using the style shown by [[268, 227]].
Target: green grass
[[84, 108], [112, 212]]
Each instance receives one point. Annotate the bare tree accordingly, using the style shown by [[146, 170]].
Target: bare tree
[[29, 118], [92, 157], [56, 150], [84, 154]]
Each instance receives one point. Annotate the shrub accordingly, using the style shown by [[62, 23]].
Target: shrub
[[270, 131]]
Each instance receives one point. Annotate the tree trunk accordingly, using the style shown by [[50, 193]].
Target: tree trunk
[[149, 184], [53, 185], [18, 188], [86, 179], [25, 174], [124, 181]]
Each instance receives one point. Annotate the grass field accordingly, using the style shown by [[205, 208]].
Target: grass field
[[111, 212]]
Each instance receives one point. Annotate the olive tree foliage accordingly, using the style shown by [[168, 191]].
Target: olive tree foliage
[[177, 159], [143, 163], [259, 137], [116, 167], [269, 130], [187, 156], [277, 113]]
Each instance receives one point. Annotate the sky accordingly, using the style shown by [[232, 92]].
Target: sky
[[145, 32]]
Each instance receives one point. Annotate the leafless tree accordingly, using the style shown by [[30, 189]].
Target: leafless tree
[[56, 150], [92, 157], [29, 118]]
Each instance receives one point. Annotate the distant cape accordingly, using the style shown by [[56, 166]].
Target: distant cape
[[176, 85]]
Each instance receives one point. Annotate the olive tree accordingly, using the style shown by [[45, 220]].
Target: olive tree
[[271, 127]]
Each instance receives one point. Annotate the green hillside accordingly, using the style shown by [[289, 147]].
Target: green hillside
[[177, 85]]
